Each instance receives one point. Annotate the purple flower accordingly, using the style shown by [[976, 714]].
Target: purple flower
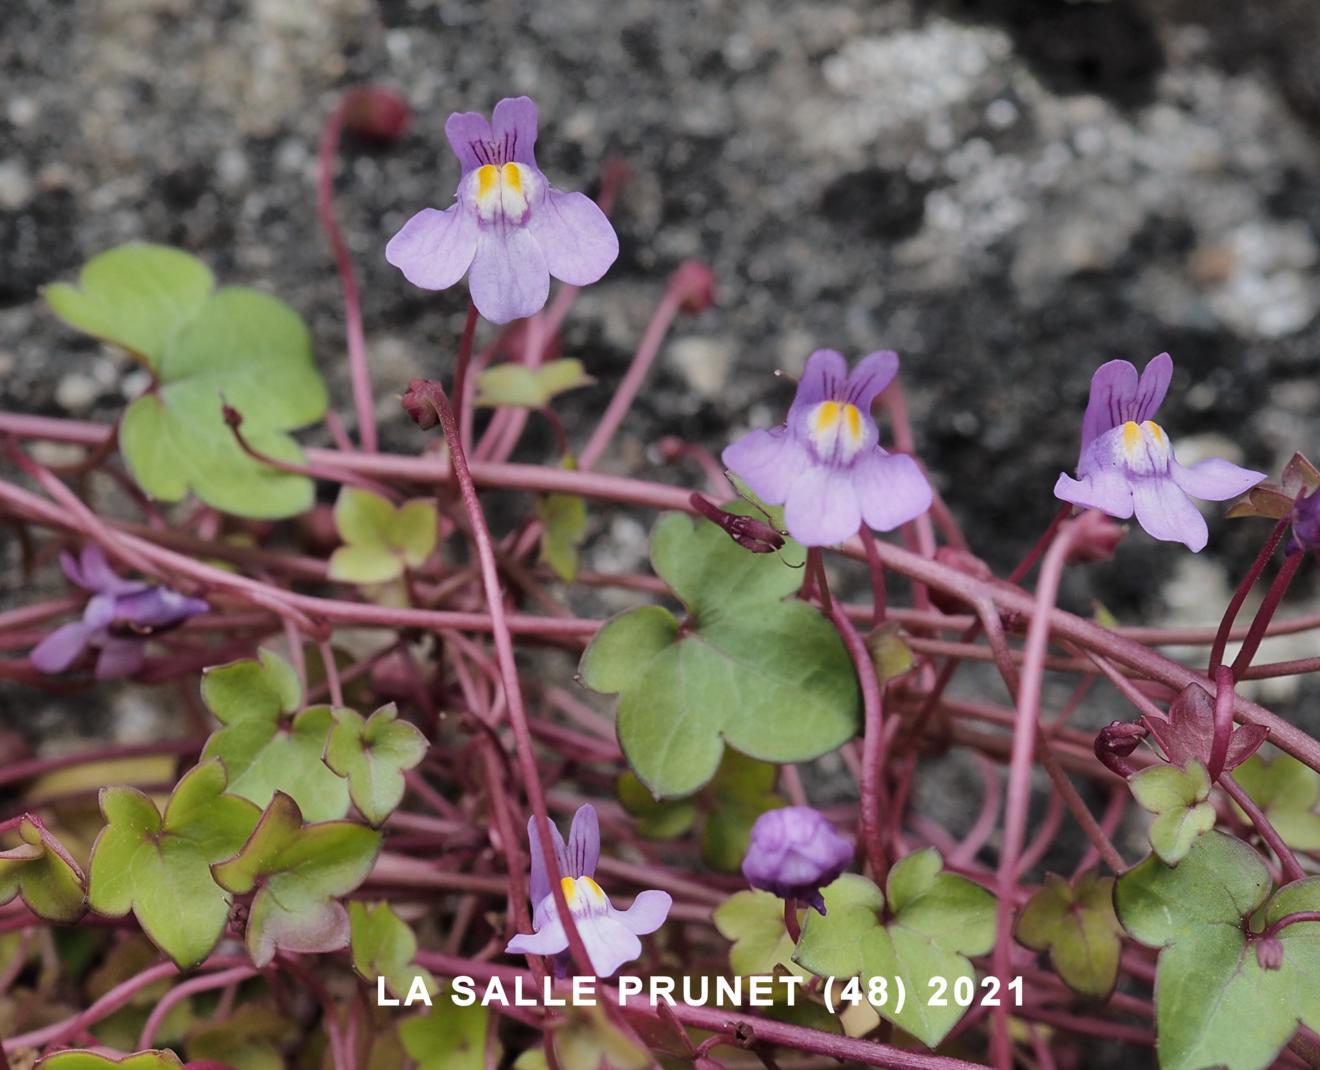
[[1305, 534], [794, 853], [609, 935], [825, 464], [1127, 463], [117, 620], [510, 230]]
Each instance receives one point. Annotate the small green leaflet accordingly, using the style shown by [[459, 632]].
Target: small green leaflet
[[262, 751], [564, 520], [766, 675], [373, 754], [383, 945], [160, 868], [297, 872], [1076, 924], [1180, 800], [585, 1040], [938, 919], [40, 871], [90, 1060], [530, 388], [381, 539], [252, 1038], [1215, 1005], [206, 348], [754, 922], [1287, 791], [448, 1037]]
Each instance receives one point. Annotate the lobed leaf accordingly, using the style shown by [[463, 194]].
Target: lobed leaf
[[530, 388], [447, 1037], [381, 539], [1287, 790], [383, 945], [373, 754], [43, 874], [90, 1060], [1077, 925], [754, 922], [1179, 799]]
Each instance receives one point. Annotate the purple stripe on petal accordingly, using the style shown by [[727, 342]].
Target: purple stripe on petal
[[1165, 512], [824, 378], [434, 249], [769, 462], [469, 136], [1105, 490], [61, 648], [513, 124], [120, 657], [891, 489], [576, 236], [872, 374], [583, 850], [822, 507], [647, 913], [1151, 389], [508, 278], [1214, 480], [1113, 388]]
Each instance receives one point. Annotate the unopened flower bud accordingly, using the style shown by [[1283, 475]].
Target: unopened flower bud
[[794, 852], [1115, 743], [1305, 524], [376, 114], [419, 403], [1269, 953], [1098, 539], [747, 531], [695, 284]]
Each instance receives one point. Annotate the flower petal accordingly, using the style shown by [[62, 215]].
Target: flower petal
[[508, 278], [825, 377], [769, 462], [872, 374], [548, 941], [1105, 490], [1214, 480], [1165, 512], [1151, 389], [513, 123], [1113, 386], [61, 648], [469, 136], [120, 657], [539, 887], [583, 851], [576, 236], [647, 913], [433, 249], [822, 507], [608, 941], [157, 608], [891, 489]]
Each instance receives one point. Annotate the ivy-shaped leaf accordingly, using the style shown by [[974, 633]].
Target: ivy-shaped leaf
[[1215, 1005], [770, 677], [585, 1040], [657, 819], [381, 539], [447, 1037], [262, 753], [1179, 799], [1287, 790], [160, 867], [42, 873], [530, 388], [937, 920], [563, 520], [252, 1038], [206, 348], [90, 1060], [1076, 924], [383, 945], [297, 871], [373, 754], [754, 922]]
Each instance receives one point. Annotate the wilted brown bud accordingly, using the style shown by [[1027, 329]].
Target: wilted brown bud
[[1115, 743]]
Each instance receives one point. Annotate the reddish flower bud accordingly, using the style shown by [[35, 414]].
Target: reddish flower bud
[[695, 284], [1269, 953], [1098, 540], [419, 402], [1115, 742], [376, 114], [1305, 524], [747, 531]]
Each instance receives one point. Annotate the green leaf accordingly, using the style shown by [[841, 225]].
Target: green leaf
[[381, 539], [890, 652], [564, 521], [1076, 924], [447, 1037], [1179, 799], [297, 872], [1287, 790], [137, 297], [740, 792], [754, 922], [657, 819], [587, 1040], [938, 919], [43, 874], [530, 388], [383, 945], [262, 753], [90, 1060], [160, 868], [252, 1038], [373, 755], [770, 677], [1215, 1005]]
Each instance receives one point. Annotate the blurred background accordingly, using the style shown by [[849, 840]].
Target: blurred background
[[1008, 192]]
